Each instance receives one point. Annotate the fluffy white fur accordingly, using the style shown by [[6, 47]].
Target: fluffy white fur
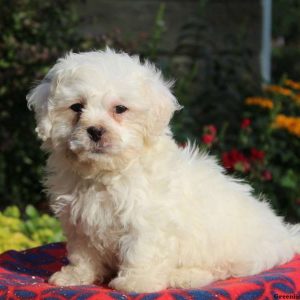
[[136, 209]]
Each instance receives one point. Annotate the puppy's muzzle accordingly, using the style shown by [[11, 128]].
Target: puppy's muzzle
[[95, 133]]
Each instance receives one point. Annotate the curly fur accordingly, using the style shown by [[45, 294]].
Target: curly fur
[[136, 209]]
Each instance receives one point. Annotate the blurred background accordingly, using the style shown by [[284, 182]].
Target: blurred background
[[237, 70]]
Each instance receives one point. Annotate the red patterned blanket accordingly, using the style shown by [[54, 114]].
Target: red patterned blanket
[[23, 275]]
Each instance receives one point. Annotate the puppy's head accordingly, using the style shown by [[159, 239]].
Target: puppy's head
[[97, 106]]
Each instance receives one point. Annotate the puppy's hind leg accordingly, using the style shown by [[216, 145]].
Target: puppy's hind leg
[[144, 267], [190, 277]]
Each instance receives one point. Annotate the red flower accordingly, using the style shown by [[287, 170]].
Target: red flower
[[209, 134], [235, 161], [245, 123], [266, 175], [211, 129], [257, 154], [182, 145], [208, 139]]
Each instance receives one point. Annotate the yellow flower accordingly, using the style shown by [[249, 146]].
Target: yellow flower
[[278, 90], [12, 223], [296, 98], [260, 101], [291, 124], [14, 240], [42, 235], [292, 84]]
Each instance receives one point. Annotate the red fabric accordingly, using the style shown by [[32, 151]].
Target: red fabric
[[23, 275]]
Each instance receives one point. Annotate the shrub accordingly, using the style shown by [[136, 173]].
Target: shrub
[[260, 145], [33, 34], [265, 149], [31, 231]]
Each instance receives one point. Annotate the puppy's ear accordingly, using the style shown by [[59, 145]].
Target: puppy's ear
[[162, 110], [163, 103], [38, 100]]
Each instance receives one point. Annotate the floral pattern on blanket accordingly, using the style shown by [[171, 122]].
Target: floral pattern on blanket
[[23, 275]]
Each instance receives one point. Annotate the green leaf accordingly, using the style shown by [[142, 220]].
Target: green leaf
[[12, 211], [289, 180], [31, 212], [29, 228]]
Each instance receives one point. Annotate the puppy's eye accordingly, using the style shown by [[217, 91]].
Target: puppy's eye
[[119, 109], [77, 107]]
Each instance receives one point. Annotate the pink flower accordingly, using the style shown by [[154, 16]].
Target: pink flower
[[245, 123], [266, 175]]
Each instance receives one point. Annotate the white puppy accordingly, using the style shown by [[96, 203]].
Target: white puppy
[[135, 208]]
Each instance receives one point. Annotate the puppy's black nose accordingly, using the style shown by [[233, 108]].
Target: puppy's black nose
[[95, 133]]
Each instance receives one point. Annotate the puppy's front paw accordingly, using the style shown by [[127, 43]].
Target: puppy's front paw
[[68, 276], [138, 284]]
